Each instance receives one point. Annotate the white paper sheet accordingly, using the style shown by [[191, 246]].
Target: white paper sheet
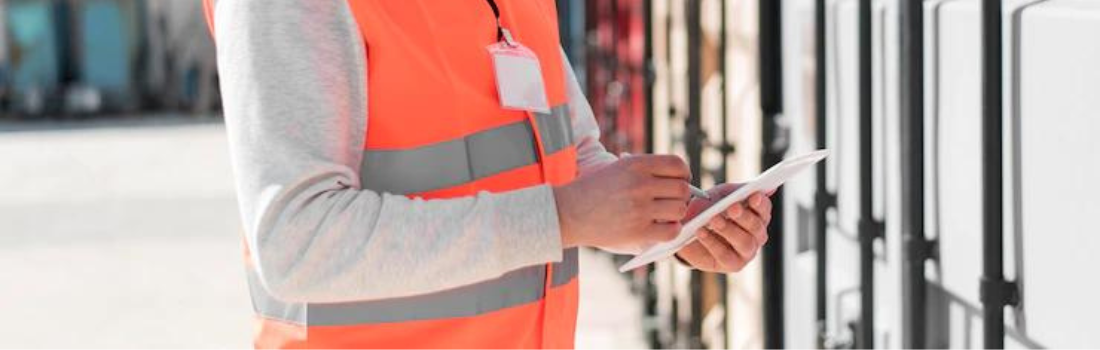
[[768, 181]]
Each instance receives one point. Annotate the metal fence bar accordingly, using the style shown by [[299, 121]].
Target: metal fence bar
[[868, 227], [917, 248], [996, 292], [775, 146], [823, 199]]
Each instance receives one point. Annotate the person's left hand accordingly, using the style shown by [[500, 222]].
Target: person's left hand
[[731, 239]]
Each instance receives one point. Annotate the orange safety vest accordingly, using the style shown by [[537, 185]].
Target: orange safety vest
[[437, 130]]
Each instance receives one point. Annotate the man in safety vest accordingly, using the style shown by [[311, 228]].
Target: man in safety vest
[[421, 173]]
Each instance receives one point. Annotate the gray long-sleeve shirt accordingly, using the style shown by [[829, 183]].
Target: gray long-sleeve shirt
[[292, 78]]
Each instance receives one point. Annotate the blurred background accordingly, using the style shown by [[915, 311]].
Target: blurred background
[[957, 210], [73, 59]]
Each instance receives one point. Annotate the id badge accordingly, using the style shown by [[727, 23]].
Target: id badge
[[519, 78]]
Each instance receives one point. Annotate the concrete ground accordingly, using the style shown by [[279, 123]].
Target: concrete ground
[[125, 234]]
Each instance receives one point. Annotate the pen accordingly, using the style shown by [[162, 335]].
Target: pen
[[698, 192], [695, 191]]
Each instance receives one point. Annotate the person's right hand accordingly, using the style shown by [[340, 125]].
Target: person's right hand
[[636, 201]]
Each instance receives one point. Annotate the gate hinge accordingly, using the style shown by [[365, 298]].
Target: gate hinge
[[999, 292], [825, 199], [871, 229], [922, 250]]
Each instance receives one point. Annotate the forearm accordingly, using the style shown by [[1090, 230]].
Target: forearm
[[324, 243]]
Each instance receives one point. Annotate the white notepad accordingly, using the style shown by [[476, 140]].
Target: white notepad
[[768, 181]]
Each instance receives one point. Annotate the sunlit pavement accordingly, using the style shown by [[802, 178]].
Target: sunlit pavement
[[126, 234], [610, 316]]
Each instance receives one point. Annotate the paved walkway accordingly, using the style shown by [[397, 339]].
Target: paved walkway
[[128, 236]]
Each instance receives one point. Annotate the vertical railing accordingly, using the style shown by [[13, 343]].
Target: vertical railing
[[649, 294], [776, 142], [869, 228], [649, 71], [672, 112], [693, 142], [918, 249], [996, 292], [823, 199], [726, 148]]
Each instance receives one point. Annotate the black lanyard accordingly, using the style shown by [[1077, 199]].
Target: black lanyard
[[496, 13]]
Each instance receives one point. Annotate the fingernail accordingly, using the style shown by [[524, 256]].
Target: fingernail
[[755, 201], [718, 224], [734, 212], [704, 234]]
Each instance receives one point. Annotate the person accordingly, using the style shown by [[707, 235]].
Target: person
[[388, 198]]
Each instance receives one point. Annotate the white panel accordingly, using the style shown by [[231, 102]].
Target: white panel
[[888, 294], [880, 96], [961, 326], [846, 99], [799, 104], [843, 94], [798, 100], [953, 149], [744, 324], [931, 95], [1060, 103], [959, 154]]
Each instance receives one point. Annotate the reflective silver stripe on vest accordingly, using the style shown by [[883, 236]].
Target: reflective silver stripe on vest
[[515, 288], [455, 162], [566, 270], [555, 129]]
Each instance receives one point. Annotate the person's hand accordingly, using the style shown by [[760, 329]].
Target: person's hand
[[731, 239], [636, 201]]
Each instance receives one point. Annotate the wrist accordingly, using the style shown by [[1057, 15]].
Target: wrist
[[569, 238]]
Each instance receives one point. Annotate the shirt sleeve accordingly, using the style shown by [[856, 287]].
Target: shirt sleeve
[[591, 154], [293, 80]]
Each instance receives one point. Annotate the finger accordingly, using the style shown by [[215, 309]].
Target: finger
[[667, 188], [696, 255], [668, 209], [762, 205], [718, 223], [745, 218], [742, 241], [662, 231], [725, 257], [749, 220], [665, 166], [734, 211]]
